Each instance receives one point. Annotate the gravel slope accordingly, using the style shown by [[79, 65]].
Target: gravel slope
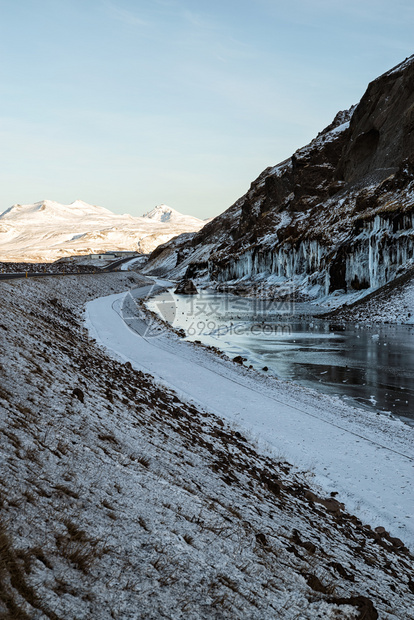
[[119, 500]]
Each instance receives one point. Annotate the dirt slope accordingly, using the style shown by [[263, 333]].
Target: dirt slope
[[120, 501]]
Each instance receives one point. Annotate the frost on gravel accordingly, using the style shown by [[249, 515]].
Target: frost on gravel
[[118, 500], [394, 303]]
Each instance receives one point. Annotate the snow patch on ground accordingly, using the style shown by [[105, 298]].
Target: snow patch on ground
[[392, 304]]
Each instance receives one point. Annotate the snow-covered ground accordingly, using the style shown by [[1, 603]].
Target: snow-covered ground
[[134, 263], [393, 303], [121, 500], [46, 231], [366, 457]]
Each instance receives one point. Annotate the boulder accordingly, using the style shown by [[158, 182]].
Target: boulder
[[186, 287], [238, 359]]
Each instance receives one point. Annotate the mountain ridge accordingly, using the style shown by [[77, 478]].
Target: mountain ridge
[[48, 230]]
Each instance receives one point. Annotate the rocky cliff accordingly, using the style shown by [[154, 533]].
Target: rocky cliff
[[336, 215]]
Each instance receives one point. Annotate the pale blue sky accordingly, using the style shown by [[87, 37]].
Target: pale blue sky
[[129, 104]]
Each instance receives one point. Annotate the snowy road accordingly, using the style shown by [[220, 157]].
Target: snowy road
[[366, 458]]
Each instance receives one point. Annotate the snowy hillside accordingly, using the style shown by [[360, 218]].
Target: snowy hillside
[[338, 215], [121, 499], [393, 303], [46, 231]]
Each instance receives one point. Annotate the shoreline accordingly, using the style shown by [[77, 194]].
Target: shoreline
[[226, 343]]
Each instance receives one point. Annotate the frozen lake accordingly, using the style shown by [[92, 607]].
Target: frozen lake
[[373, 366]]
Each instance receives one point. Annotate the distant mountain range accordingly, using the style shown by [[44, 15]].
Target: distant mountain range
[[46, 231]]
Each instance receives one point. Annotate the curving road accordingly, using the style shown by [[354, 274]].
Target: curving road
[[367, 459]]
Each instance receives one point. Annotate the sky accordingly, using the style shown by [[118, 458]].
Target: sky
[[132, 103]]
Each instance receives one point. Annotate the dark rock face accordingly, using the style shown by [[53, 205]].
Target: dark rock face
[[186, 287], [364, 605], [382, 128], [339, 212]]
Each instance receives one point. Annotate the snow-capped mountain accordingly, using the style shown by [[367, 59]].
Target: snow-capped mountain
[[47, 230], [336, 216], [165, 214]]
